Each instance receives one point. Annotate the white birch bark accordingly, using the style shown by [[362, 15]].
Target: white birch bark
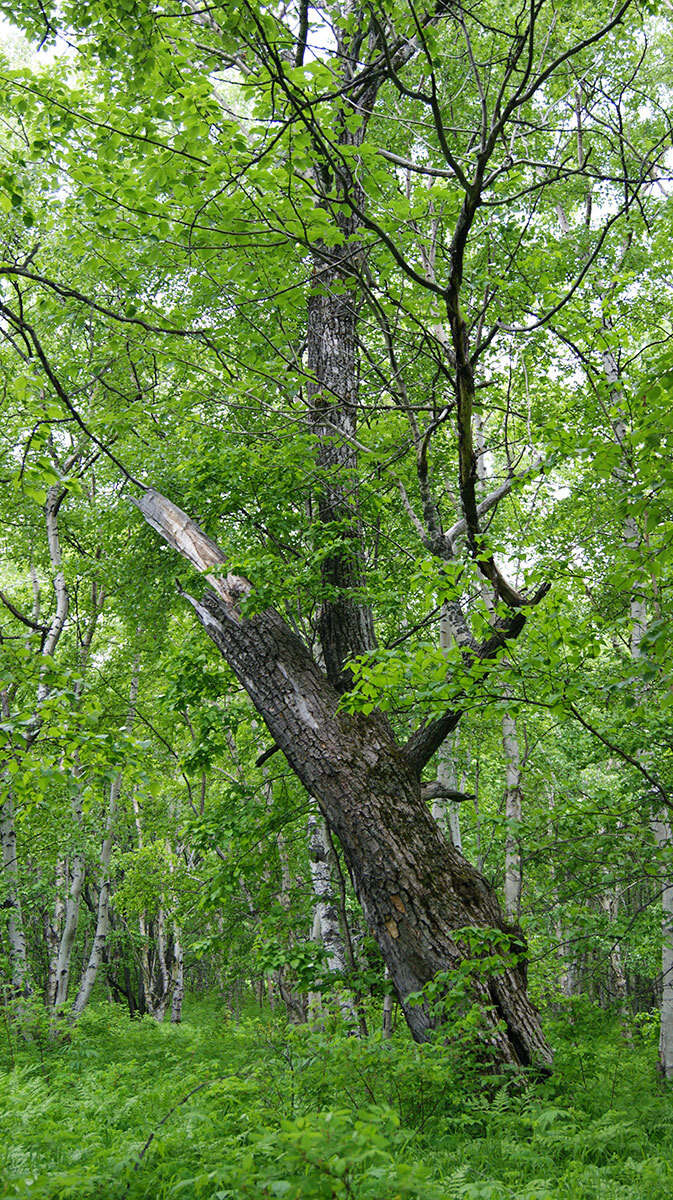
[[177, 977], [54, 498], [513, 875], [103, 909], [663, 835], [54, 927], [610, 901], [326, 910], [387, 1016], [71, 907], [325, 907], [20, 978], [562, 946], [510, 739], [143, 929], [71, 918], [15, 928]]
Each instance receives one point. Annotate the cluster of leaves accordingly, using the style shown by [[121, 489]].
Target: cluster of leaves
[[262, 1110]]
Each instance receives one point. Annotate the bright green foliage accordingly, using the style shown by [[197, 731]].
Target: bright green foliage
[[158, 217], [259, 1110]]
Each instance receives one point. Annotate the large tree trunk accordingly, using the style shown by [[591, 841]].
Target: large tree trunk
[[416, 889]]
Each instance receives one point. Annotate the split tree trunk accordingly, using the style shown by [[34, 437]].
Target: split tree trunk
[[417, 891]]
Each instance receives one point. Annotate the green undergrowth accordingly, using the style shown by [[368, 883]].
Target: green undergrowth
[[254, 1109]]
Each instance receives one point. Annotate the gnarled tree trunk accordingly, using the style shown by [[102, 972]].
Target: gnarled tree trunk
[[416, 889]]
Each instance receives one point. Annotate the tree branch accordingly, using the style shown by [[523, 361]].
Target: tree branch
[[427, 739]]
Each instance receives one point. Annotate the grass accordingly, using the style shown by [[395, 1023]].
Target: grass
[[254, 1109]]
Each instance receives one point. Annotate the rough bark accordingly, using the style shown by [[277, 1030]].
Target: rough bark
[[416, 890], [345, 626]]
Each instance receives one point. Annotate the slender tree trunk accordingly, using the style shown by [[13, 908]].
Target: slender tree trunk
[[148, 961], [510, 743], [417, 891], [563, 947], [610, 902], [162, 992], [387, 1015], [103, 909], [72, 906], [663, 835], [178, 977], [326, 912], [67, 941], [54, 928], [510, 740], [20, 976], [69, 911], [325, 907]]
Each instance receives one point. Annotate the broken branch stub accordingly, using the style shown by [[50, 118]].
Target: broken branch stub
[[184, 535]]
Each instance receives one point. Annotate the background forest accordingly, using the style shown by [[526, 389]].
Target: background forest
[[378, 298]]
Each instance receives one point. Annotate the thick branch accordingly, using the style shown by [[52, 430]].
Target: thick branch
[[185, 536], [20, 616], [436, 791], [428, 738]]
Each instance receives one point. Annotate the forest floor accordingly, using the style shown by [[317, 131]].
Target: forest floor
[[217, 1108]]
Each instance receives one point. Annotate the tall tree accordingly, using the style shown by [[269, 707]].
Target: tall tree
[[366, 139]]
